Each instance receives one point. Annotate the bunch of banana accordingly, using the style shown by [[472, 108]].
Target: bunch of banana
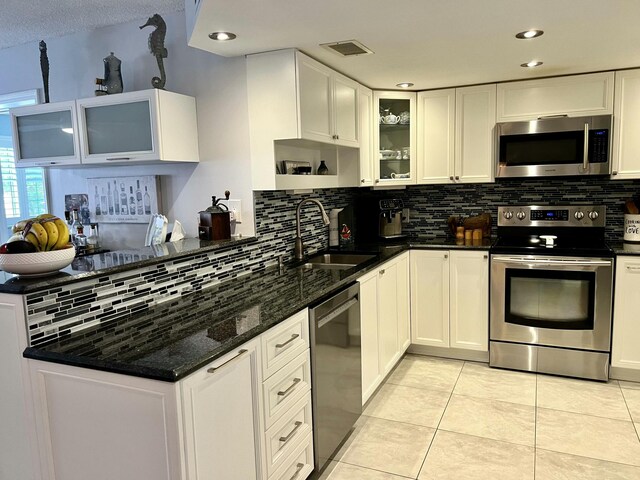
[[45, 232]]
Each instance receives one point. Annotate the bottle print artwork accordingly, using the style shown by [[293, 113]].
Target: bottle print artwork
[[110, 198], [139, 199], [116, 203], [123, 200], [147, 202], [132, 202], [97, 200], [103, 202]]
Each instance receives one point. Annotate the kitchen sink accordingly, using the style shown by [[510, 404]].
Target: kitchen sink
[[338, 260]]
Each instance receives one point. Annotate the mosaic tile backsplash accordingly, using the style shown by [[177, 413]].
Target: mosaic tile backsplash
[[62, 310]]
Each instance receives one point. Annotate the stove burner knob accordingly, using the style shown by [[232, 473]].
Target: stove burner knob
[[521, 215], [579, 215], [593, 215], [507, 215]]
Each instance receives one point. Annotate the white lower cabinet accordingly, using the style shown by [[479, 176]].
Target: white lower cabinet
[[384, 314], [625, 352], [449, 299], [226, 421]]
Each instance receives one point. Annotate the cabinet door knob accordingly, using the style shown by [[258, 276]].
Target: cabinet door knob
[[614, 173], [451, 177], [457, 177], [377, 180], [446, 256], [362, 181], [382, 271], [485, 256]]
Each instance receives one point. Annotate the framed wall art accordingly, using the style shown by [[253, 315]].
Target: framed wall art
[[123, 199]]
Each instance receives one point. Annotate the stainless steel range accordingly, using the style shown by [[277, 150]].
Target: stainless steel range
[[551, 291]]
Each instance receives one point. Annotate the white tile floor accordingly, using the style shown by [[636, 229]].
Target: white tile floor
[[447, 419]]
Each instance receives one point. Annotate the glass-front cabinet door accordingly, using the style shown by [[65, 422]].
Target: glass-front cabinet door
[[45, 135], [120, 128], [394, 138]]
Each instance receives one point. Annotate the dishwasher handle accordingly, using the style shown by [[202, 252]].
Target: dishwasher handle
[[337, 311]]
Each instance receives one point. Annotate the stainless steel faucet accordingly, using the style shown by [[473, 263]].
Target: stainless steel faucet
[[299, 250]]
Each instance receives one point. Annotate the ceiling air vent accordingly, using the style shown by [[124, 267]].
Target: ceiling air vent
[[347, 48]]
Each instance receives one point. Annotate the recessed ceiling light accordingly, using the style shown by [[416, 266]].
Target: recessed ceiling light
[[404, 85], [531, 64], [222, 36], [529, 34]]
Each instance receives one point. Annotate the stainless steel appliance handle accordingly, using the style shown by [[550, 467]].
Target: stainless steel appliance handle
[[293, 337], [550, 262], [117, 159], [240, 354], [585, 154], [299, 468], [289, 389], [291, 433], [560, 115], [337, 311]]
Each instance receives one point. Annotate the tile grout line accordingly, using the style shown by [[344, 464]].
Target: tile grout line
[[626, 404], [589, 458], [440, 421]]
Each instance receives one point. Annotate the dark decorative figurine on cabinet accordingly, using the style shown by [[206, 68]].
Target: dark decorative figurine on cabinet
[[157, 48], [112, 81], [44, 67]]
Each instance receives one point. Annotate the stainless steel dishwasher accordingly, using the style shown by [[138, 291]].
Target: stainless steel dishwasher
[[336, 371]]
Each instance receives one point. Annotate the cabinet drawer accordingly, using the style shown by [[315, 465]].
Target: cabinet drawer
[[284, 342], [299, 464], [288, 433], [285, 388]]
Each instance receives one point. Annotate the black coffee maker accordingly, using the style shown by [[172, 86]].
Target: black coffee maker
[[379, 218]]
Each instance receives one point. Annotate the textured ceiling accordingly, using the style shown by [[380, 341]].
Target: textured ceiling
[[23, 21]]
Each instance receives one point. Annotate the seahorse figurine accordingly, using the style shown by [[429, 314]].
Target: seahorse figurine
[[44, 66], [156, 47]]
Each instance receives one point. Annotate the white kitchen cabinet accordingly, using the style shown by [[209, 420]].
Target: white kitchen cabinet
[[384, 316], [474, 137], [394, 138], [221, 418], [365, 135], [626, 118], [301, 110], [17, 435], [45, 135], [574, 96], [143, 126], [625, 353], [436, 136], [449, 299]]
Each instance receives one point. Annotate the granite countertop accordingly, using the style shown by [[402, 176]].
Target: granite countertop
[[176, 338], [625, 248], [83, 268]]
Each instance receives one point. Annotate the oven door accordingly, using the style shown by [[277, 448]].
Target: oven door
[[553, 301]]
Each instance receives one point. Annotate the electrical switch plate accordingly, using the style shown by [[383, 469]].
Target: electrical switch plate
[[235, 208]]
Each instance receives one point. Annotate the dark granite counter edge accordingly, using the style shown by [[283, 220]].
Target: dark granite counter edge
[[34, 285], [40, 353]]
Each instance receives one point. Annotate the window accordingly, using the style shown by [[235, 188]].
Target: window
[[23, 190]]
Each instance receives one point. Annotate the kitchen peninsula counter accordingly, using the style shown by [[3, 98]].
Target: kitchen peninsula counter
[[170, 340]]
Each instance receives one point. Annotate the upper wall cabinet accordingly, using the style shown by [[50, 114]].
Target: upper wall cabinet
[[574, 96], [436, 136], [301, 110], [45, 135], [139, 126], [136, 127], [626, 118], [394, 138]]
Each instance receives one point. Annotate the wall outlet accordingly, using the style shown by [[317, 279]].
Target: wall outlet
[[235, 209], [405, 215]]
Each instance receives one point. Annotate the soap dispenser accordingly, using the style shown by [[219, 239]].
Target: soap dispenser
[[334, 237]]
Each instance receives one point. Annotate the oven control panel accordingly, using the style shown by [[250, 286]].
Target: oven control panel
[[557, 216]]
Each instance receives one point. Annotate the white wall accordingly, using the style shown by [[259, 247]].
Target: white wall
[[218, 83]]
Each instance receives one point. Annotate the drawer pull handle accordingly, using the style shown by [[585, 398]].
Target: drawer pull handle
[[299, 468], [240, 354], [291, 433], [289, 389], [282, 345]]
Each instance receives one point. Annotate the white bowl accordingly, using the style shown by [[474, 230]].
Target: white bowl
[[37, 263]]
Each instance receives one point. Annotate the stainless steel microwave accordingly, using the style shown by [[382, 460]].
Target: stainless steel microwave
[[557, 146]]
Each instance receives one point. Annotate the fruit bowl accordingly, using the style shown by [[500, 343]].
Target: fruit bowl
[[37, 263]]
